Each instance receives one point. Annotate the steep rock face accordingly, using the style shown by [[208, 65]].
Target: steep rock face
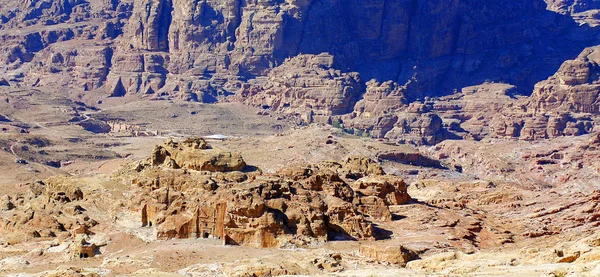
[[246, 38], [185, 48], [84, 67], [574, 88], [59, 43], [149, 25], [193, 46], [310, 59], [486, 110], [584, 11], [307, 85], [563, 105]]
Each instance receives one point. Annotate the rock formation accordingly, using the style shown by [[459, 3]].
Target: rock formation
[[307, 86], [412, 124], [584, 11], [574, 88], [48, 209], [393, 254], [82, 249], [376, 112], [486, 110], [309, 62], [296, 205], [497, 104], [193, 154], [202, 51]]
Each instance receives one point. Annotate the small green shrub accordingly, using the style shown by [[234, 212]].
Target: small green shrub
[[337, 123]]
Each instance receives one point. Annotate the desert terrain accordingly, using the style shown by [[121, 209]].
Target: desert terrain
[[478, 208], [304, 138]]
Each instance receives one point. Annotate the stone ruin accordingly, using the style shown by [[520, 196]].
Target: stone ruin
[[124, 129], [205, 222]]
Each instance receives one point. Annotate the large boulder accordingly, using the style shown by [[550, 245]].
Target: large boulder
[[393, 254], [195, 154]]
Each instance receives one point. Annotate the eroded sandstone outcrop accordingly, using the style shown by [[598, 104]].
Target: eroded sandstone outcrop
[[296, 205], [48, 209], [308, 60], [393, 254], [574, 88], [193, 154], [307, 86], [584, 11], [376, 112]]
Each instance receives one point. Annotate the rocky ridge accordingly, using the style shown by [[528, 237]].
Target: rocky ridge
[[476, 208]]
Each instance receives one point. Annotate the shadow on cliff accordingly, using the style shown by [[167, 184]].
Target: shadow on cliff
[[467, 43], [380, 233], [337, 233]]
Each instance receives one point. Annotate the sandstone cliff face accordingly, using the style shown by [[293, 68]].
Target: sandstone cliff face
[[376, 112], [487, 110], [565, 104], [308, 86], [296, 205], [182, 46], [45, 12], [584, 11], [574, 88], [491, 110], [59, 43], [311, 59], [246, 38]]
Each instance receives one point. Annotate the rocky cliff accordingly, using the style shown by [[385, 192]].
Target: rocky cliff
[[312, 59], [188, 46], [584, 11]]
